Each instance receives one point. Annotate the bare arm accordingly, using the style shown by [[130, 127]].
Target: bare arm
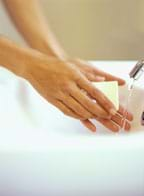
[[12, 56], [31, 23], [59, 82]]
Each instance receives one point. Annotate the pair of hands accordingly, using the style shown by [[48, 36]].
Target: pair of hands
[[64, 83]]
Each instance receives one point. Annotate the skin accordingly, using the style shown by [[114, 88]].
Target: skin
[[59, 79]]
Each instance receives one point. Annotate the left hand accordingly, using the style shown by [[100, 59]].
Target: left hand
[[94, 75]]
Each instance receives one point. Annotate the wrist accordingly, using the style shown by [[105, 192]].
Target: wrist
[[51, 49], [10, 56], [14, 58]]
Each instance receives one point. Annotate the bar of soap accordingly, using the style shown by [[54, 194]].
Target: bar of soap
[[110, 90]]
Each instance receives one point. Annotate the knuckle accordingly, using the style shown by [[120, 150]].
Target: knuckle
[[79, 78], [89, 104], [80, 111], [83, 118], [70, 114], [88, 115], [66, 86], [101, 112], [65, 113], [107, 104], [95, 92], [83, 112]]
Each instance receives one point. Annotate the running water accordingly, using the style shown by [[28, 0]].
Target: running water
[[135, 74], [130, 90]]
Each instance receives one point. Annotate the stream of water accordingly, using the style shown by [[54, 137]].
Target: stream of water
[[130, 91]]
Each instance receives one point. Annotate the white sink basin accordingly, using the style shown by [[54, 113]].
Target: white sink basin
[[42, 152]]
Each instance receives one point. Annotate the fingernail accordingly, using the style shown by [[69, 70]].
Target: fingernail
[[99, 78], [128, 128], [113, 111], [93, 129]]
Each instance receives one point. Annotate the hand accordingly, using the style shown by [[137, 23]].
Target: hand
[[93, 74], [115, 123], [62, 83]]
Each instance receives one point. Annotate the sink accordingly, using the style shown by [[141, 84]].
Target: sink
[[43, 152], [58, 124]]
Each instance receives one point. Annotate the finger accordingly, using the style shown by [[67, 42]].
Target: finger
[[88, 103], [96, 94], [89, 125], [123, 123], [125, 113], [109, 124], [91, 76], [67, 111], [109, 77], [76, 107], [95, 78]]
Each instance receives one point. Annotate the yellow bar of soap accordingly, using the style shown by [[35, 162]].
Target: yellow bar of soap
[[110, 90]]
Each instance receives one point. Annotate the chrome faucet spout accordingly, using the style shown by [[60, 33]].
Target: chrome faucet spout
[[135, 74], [137, 71]]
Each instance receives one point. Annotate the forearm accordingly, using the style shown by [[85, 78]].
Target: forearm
[[32, 24], [13, 57]]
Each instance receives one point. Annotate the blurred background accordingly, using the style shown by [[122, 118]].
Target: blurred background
[[94, 29]]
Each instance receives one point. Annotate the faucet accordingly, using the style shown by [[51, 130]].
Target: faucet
[[137, 71], [135, 74]]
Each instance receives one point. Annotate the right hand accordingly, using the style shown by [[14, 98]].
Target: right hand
[[62, 84], [122, 119]]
